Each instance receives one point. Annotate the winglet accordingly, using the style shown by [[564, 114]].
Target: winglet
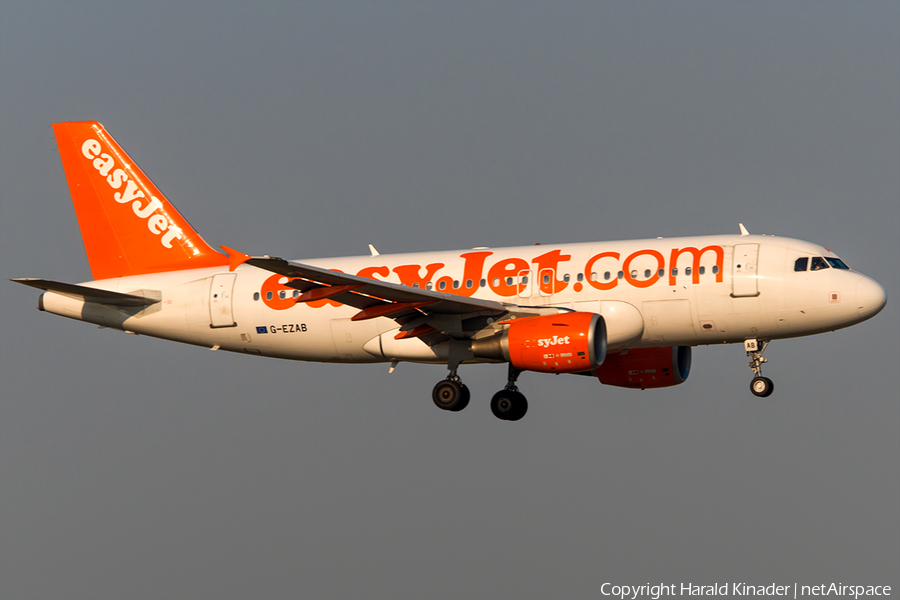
[[235, 258], [743, 230]]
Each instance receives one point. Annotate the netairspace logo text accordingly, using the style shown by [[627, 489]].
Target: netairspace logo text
[[740, 590]]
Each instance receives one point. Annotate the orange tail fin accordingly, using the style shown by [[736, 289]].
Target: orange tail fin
[[128, 226]]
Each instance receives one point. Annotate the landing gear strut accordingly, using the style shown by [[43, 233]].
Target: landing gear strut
[[760, 386], [509, 404]]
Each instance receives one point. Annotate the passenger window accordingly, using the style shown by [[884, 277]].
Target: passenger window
[[580, 277], [675, 272], [442, 285], [647, 274], [818, 263], [687, 271], [606, 275], [836, 263], [415, 284], [281, 294], [546, 278], [496, 282], [256, 295], [268, 295], [455, 284], [483, 282], [594, 276], [469, 283], [509, 281], [702, 270], [662, 273], [621, 275], [566, 278], [634, 273], [296, 293], [428, 285], [801, 263], [716, 270]]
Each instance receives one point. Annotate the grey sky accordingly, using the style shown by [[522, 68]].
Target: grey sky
[[132, 467]]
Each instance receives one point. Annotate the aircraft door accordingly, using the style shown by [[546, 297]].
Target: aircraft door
[[745, 271], [220, 305]]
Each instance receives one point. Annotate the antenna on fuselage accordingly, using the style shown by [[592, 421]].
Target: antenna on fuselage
[[743, 229]]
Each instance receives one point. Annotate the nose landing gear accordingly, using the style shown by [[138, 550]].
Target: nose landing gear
[[760, 386]]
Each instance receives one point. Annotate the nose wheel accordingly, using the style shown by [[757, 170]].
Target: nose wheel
[[760, 386]]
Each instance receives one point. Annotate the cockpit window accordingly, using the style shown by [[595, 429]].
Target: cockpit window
[[836, 263], [801, 263], [818, 263]]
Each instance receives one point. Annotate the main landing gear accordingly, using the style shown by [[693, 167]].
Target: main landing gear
[[451, 394], [508, 404], [760, 386]]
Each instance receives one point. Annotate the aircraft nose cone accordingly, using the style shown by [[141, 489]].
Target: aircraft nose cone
[[870, 297]]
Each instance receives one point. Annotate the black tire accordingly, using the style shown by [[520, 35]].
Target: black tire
[[509, 406], [464, 401], [501, 405], [449, 395], [762, 387], [520, 406]]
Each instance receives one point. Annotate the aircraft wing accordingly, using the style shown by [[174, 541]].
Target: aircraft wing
[[373, 297], [427, 314], [87, 294]]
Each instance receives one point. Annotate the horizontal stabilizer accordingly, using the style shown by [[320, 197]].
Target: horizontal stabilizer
[[87, 294]]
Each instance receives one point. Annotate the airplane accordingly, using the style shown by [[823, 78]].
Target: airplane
[[625, 312]]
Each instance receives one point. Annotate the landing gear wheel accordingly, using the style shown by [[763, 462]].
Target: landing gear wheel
[[451, 395], [762, 386], [464, 401], [509, 405]]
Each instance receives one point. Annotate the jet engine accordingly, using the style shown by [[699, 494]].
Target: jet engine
[[646, 367], [563, 343]]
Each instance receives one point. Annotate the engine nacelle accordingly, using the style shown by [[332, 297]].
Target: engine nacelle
[[646, 367], [563, 343]]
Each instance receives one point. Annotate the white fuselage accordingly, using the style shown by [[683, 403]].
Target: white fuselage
[[679, 292]]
